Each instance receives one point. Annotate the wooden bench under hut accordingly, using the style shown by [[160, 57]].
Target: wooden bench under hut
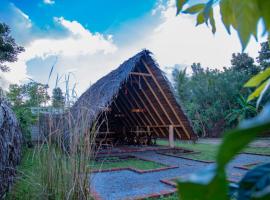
[[134, 104]]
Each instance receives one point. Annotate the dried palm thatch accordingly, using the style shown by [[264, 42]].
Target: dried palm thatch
[[10, 147]]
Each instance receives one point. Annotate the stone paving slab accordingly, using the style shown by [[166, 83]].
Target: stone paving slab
[[125, 184]]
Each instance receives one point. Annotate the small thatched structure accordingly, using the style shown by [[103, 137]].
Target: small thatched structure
[[10, 147], [135, 97]]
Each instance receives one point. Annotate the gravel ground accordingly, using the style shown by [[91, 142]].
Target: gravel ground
[[128, 184]]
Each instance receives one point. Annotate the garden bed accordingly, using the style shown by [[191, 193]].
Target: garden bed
[[115, 163]]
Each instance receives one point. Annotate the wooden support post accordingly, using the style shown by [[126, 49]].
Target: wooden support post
[[148, 130], [171, 136]]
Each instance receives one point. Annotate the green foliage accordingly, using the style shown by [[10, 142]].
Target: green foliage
[[243, 16], [211, 183], [9, 50], [26, 119], [244, 111], [32, 94], [22, 98], [262, 82], [210, 113], [58, 100], [36, 94], [255, 183], [242, 62], [264, 55], [27, 185]]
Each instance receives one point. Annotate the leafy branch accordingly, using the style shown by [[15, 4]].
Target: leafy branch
[[243, 16]]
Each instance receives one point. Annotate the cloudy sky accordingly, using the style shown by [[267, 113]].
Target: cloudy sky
[[91, 37]]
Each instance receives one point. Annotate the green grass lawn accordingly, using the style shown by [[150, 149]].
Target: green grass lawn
[[209, 151], [130, 162], [26, 186]]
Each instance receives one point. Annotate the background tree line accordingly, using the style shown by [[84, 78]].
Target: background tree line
[[33, 94], [215, 100]]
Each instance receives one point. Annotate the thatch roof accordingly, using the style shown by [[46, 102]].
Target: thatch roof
[[101, 94]]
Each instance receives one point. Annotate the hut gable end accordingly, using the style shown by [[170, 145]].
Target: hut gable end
[[136, 96]]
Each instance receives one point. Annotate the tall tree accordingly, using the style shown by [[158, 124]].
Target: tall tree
[[36, 93], [243, 62], [9, 50], [264, 55], [22, 98], [58, 99]]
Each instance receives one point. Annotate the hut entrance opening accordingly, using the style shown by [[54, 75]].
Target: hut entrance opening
[[139, 114]]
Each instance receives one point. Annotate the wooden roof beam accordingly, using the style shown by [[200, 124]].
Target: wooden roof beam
[[128, 109], [128, 121], [164, 95], [140, 74], [137, 114], [160, 104], [166, 126], [146, 107], [144, 114]]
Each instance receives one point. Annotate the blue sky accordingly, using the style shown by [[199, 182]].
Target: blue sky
[[98, 16], [91, 37]]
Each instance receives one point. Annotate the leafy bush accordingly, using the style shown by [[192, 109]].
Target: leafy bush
[[213, 99]]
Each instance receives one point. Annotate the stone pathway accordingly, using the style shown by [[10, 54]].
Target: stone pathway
[[126, 184]]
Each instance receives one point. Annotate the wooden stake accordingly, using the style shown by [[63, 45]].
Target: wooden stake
[[171, 136]]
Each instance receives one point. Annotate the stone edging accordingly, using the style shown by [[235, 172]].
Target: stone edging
[[244, 167], [157, 148], [258, 154], [156, 195], [134, 169], [95, 195], [204, 161]]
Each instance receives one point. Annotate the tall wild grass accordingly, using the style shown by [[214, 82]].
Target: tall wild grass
[[65, 157]]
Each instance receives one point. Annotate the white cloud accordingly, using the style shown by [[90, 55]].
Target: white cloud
[[173, 40], [50, 2], [79, 44], [177, 41]]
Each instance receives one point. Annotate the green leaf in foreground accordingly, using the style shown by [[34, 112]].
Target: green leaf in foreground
[[204, 185], [237, 139], [247, 17], [255, 184], [258, 79], [211, 184], [257, 92], [180, 4], [194, 9]]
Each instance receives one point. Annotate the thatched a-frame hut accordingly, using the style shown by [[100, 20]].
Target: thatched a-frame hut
[[136, 97]]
